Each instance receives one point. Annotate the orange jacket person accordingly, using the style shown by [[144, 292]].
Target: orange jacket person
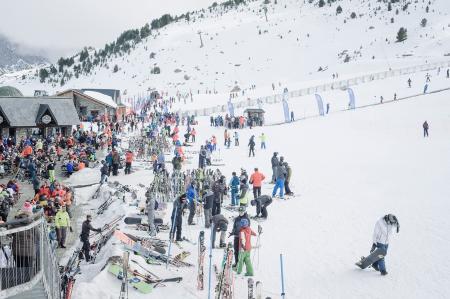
[[256, 180]]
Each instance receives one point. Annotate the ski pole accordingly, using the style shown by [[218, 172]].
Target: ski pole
[[282, 276], [171, 236], [210, 265]]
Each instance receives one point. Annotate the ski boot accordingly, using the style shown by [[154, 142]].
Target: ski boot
[[383, 272], [222, 245]]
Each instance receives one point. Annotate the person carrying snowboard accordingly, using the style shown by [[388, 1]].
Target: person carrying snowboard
[[262, 202], [381, 234], [86, 228], [245, 248]]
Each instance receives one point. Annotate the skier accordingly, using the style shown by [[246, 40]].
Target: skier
[[425, 88], [104, 171], [177, 217], [235, 232], [279, 183], [234, 188], [381, 234], [274, 161], [251, 144], [191, 194], [219, 189], [245, 247], [220, 224], [86, 228], [236, 138], [409, 82], [263, 138], [256, 180], [262, 202], [208, 198], [62, 222], [287, 189], [425, 129]]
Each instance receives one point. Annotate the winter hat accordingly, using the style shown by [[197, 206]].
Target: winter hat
[[244, 222], [253, 202], [241, 209], [27, 208]]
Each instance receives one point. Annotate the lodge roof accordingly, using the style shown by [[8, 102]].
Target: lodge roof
[[28, 111]]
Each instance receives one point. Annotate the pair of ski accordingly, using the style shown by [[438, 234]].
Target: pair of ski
[[68, 274], [224, 288], [254, 289]]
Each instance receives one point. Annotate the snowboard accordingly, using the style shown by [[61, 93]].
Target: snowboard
[[133, 280], [376, 255]]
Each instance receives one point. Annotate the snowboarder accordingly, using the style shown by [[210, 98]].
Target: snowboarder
[[236, 230], [245, 247], [274, 161], [234, 188], [177, 217], [208, 198], [409, 82], [279, 183], [220, 224], [428, 78], [448, 73], [251, 144], [425, 88], [381, 234], [86, 228], [256, 180], [191, 194], [262, 202], [425, 129], [292, 116]]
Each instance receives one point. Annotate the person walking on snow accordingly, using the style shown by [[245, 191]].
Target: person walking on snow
[[128, 160], [177, 217], [274, 161], [245, 247], [251, 144], [236, 138], [425, 129], [381, 234], [262, 202], [236, 230], [256, 180], [263, 139], [219, 189], [191, 194], [220, 224], [279, 183], [104, 172], [234, 188]]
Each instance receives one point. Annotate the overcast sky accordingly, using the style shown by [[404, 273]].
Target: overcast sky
[[61, 27]]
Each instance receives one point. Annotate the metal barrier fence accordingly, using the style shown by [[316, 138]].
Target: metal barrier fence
[[338, 84], [27, 258]]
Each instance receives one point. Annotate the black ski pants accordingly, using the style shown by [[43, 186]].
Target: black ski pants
[[236, 249], [251, 151], [86, 249], [177, 229], [256, 192], [216, 208]]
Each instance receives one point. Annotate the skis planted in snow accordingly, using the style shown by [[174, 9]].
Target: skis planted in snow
[[201, 260]]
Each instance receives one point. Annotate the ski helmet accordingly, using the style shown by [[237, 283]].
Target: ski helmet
[[244, 222]]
